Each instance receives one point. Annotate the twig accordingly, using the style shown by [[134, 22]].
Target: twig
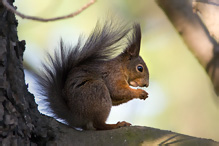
[[211, 2], [12, 9]]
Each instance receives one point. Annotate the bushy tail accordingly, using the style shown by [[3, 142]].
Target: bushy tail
[[100, 45]]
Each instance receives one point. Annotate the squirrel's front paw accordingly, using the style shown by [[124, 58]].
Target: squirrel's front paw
[[143, 95]]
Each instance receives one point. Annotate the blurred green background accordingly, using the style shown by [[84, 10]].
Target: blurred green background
[[181, 97]]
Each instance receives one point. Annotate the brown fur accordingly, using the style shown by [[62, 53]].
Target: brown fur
[[83, 83]]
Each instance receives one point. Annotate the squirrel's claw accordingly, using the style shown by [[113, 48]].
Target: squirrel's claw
[[123, 124]]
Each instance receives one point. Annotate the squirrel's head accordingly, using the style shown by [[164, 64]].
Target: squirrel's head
[[135, 67]]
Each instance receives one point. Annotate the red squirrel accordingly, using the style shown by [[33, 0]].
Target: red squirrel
[[83, 82]]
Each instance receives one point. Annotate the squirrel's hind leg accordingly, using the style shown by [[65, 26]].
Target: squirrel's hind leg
[[90, 102], [102, 106]]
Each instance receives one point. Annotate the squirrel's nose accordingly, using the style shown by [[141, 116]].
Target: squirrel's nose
[[146, 85]]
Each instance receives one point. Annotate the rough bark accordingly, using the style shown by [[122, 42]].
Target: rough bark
[[22, 124], [201, 37], [18, 110]]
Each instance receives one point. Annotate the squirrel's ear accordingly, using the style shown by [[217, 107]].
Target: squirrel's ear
[[133, 48]]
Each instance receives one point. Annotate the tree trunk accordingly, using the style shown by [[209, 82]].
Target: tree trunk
[[22, 124]]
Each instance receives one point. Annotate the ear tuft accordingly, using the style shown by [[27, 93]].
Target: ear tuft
[[133, 48]]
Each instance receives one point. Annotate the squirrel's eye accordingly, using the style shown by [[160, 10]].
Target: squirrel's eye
[[140, 68]]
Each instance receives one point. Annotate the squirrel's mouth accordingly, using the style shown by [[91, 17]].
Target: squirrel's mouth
[[135, 85]]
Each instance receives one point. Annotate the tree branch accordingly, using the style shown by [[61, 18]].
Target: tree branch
[[134, 135], [196, 34], [12, 9]]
